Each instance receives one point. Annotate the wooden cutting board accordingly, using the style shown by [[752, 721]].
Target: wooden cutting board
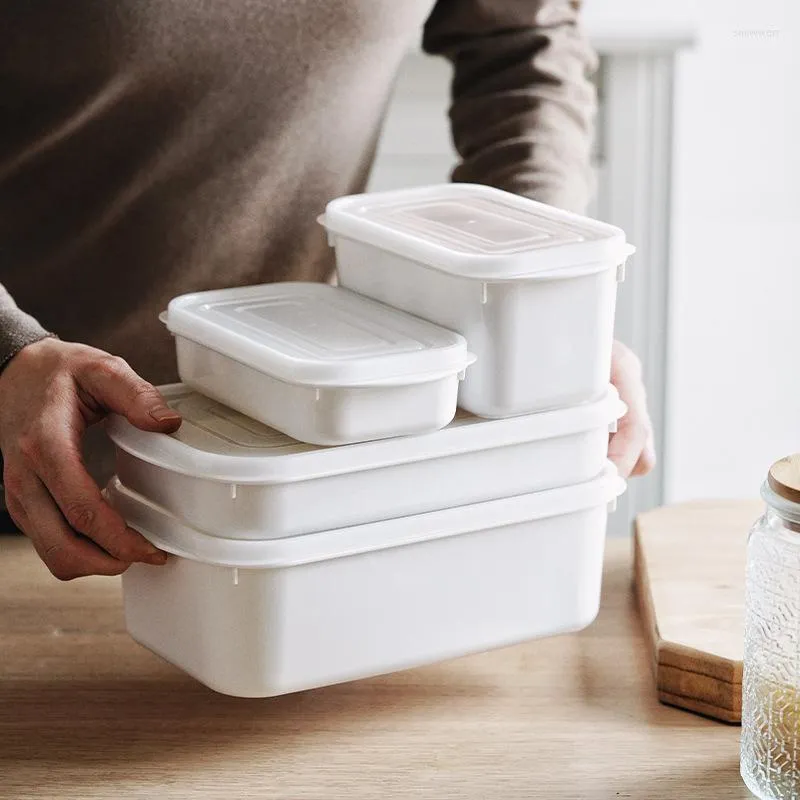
[[689, 563]]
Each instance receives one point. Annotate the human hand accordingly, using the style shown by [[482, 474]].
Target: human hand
[[631, 448], [50, 393]]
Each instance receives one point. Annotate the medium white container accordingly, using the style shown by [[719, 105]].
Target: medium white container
[[256, 619], [319, 363], [229, 475], [531, 287]]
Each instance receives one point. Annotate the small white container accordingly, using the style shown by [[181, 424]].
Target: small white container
[[229, 475], [256, 619], [531, 287], [318, 363]]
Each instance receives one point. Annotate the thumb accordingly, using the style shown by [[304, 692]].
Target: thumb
[[116, 387]]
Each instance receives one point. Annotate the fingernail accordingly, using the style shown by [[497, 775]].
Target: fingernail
[[164, 414], [157, 559]]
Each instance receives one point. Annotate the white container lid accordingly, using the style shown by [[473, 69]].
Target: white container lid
[[173, 536], [318, 335], [219, 444], [478, 232]]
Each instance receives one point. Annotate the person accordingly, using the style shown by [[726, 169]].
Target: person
[[155, 147]]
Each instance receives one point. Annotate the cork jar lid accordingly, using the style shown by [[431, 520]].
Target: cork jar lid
[[784, 478]]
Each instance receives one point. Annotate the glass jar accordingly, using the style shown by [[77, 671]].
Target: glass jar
[[770, 754]]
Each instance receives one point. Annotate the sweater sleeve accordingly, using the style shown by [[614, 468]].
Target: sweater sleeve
[[523, 105], [17, 329]]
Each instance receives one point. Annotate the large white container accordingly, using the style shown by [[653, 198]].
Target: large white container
[[531, 287], [318, 363], [229, 475], [264, 618]]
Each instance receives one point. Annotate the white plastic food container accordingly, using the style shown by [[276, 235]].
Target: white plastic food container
[[318, 363], [261, 618], [531, 287], [229, 475]]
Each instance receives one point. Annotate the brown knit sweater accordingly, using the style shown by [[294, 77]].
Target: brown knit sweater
[[154, 147]]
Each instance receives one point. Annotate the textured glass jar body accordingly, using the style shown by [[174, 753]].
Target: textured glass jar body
[[771, 682]]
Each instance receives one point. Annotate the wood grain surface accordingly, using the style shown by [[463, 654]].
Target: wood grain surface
[[689, 576], [87, 713]]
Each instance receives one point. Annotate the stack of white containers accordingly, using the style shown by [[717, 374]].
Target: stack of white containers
[[328, 517]]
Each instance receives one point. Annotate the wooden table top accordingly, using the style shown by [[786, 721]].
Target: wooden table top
[[86, 713]]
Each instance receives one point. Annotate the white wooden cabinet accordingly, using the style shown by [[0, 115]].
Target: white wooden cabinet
[[632, 154]]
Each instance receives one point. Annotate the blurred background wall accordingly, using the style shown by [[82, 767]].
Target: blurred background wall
[[733, 388]]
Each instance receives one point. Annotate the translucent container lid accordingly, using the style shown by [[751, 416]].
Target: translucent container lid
[[216, 443], [478, 232], [173, 536], [317, 335]]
